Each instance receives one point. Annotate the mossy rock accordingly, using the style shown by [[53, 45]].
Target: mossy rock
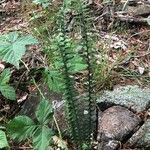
[[132, 97]]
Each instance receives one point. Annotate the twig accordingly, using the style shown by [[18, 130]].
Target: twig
[[131, 19], [137, 34], [124, 6], [38, 88], [33, 80], [57, 126]]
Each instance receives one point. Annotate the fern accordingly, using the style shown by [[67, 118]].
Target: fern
[[84, 21], [71, 110], [70, 96], [81, 125], [66, 61]]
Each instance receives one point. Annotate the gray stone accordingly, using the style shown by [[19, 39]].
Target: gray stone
[[34, 99], [139, 10], [132, 97], [117, 123], [133, 149], [141, 139]]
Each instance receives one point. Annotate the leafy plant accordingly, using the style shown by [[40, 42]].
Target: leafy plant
[[13, 47], [23, 127], [73, 62], [54, 80], [6, 90], [88, 53], [67, 57], [3, 140], [54, 75], [69, 91]]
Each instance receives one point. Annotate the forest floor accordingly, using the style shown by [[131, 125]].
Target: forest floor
[[125, 46]]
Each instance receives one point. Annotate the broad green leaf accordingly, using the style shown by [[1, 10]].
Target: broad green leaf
[[13, 47], [5, 89], [41, 138], [54, 80], [3, 140], [21, 128], [5, 76], [44, 112], [8, 92]]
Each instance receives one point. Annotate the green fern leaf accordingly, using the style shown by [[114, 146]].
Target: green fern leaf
[[42, 138], [3, 140], [44, 112], [6, 90], [21, 128], [13, 47]]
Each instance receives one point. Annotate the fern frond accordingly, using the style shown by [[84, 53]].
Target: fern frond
[[70, 96], [87, 53], [80, 118]]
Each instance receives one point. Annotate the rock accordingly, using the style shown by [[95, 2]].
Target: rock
[[132, 149], [109, 145], [141, 139], [117, 123], [133, 97], [34, 98], [139, 10]]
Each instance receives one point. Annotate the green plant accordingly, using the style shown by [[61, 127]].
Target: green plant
[[13, 47], [66, 59], [6, 90], [3, 140], [22, 127], [87, 43], [69, 65], [53, 75]]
